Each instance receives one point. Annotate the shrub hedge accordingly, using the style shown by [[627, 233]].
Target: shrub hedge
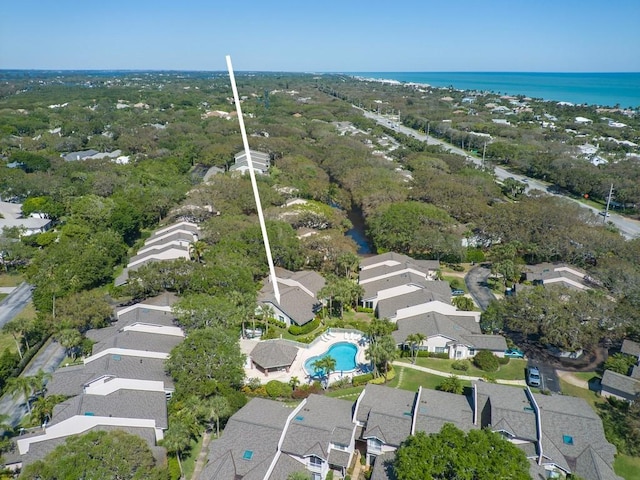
[[304, 329], [487, 361]]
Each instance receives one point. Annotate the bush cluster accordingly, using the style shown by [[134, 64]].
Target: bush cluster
[[303, 391], [364, 310], [487, 361], [425, 354], [461, 365], [304, 329], [276, 389], [358, 380]]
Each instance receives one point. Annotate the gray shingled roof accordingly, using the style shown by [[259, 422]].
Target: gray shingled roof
[[506, 408], [462, 329], [321, 421], [371, 289], [630, 348], [274, 353], [255, 428], [383, 468], [132, 340], [436, 408], [622, 383], [339, 457], [591, 466], [123, 403], [387, 413], [388, 307], [294, 301], [284, 467], [70, 380]]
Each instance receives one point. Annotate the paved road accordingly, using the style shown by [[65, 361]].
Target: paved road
[[476, 281], [628, 227], [47, 359], [13, 304], [548, 374]]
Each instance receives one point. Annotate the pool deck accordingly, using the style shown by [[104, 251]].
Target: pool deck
[[297, 367]]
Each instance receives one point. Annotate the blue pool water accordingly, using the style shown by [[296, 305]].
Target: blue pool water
[[344, 354]]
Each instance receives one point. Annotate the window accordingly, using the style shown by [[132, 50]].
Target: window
[[458, 354], [368, 304], [281, 318], [374, 445], [441, 349], [316, 476], [315, 461]]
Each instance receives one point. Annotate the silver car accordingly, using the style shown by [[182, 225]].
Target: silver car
[[533, 377]]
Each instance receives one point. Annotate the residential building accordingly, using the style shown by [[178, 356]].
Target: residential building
[[558, 273], [266, 440], [11, 217], [261, 162], [122, 385], [299, 302], [168, 243], [459, 336], [622, 387]]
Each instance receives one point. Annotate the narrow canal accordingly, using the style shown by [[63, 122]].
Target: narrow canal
[[357, 232]]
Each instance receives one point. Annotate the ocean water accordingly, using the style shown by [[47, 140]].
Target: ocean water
[[604, 89]]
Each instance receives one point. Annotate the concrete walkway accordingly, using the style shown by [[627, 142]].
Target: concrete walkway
[[202, 456], [461, 377]]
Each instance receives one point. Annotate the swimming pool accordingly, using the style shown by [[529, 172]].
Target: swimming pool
[[344, 353]]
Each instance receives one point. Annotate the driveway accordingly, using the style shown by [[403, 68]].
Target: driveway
[[548, 373], [476, 281]]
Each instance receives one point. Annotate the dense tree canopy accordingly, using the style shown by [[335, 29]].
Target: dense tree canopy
[[98, 455], [450, 454]]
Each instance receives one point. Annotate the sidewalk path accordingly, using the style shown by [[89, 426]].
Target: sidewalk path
[[202, 456], [461, 377]]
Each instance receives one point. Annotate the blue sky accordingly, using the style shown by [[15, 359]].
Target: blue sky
[[322, 36]]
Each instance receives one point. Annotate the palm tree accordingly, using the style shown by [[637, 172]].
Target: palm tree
[[196, 250], [326, 365], [177, 440], [294, 382], [415, 340], [69, 338], [22, 387], [218, 407]]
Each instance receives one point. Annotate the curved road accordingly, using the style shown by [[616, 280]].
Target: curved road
[[14, 303], [47, 359], [476, 281], [628, 227]]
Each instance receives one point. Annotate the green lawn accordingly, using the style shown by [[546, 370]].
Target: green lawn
[[189, 462], [514, 370], [587, 376], [627, 467], [410, 379], [350, 393], [11, 279], [588, 395]]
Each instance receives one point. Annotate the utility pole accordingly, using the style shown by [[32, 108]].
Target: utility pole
[[606, 212]]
